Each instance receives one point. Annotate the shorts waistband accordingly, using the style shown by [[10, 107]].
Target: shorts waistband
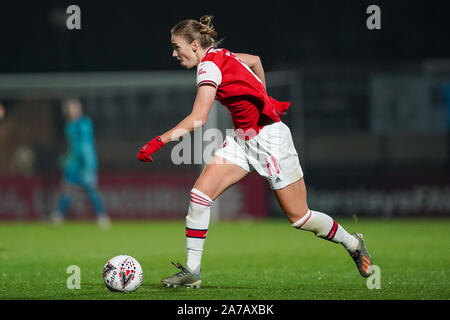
[[251, 132]]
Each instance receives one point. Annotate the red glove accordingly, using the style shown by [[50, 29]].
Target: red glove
[[149, 148]]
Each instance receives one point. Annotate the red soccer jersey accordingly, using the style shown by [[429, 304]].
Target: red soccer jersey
[[240, 90]]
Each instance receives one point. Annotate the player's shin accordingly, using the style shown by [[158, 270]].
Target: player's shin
[[197, 223], [327, 228]]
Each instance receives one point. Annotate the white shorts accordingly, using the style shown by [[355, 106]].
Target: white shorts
[[271, 153]]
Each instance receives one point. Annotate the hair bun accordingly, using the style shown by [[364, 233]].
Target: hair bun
[[206, 26], [201, 30], [206, 20]]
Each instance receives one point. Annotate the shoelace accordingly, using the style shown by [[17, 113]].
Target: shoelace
[[180, 266]]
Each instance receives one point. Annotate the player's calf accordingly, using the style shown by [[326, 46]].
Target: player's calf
[[323, 226], [327, 228]]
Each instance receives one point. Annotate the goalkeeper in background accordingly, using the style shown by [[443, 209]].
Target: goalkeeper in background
[[80, 164]]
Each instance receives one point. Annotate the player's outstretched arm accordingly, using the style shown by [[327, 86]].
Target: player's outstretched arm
[[254, 63], [202, 105]]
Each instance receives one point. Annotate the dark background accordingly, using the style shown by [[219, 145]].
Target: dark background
[[135, 35], [370, 113]]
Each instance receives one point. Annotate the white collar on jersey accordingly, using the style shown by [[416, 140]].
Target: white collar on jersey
[[207, 50]]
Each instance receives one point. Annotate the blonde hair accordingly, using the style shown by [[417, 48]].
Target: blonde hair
[[202, 31]]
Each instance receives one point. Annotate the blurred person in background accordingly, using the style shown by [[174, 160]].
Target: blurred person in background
[[262, 143], [80, 163]]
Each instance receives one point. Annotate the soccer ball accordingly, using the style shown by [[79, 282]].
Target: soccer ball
[[122, 273]]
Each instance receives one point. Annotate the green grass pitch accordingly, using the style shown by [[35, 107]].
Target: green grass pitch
[[242, 260]]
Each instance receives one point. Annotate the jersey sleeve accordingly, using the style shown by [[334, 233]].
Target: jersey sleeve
[[208, 72]]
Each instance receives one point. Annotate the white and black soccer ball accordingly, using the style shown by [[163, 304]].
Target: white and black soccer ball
[[122, 273]]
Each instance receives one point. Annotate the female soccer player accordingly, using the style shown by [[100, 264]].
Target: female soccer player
[[262, 143]]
